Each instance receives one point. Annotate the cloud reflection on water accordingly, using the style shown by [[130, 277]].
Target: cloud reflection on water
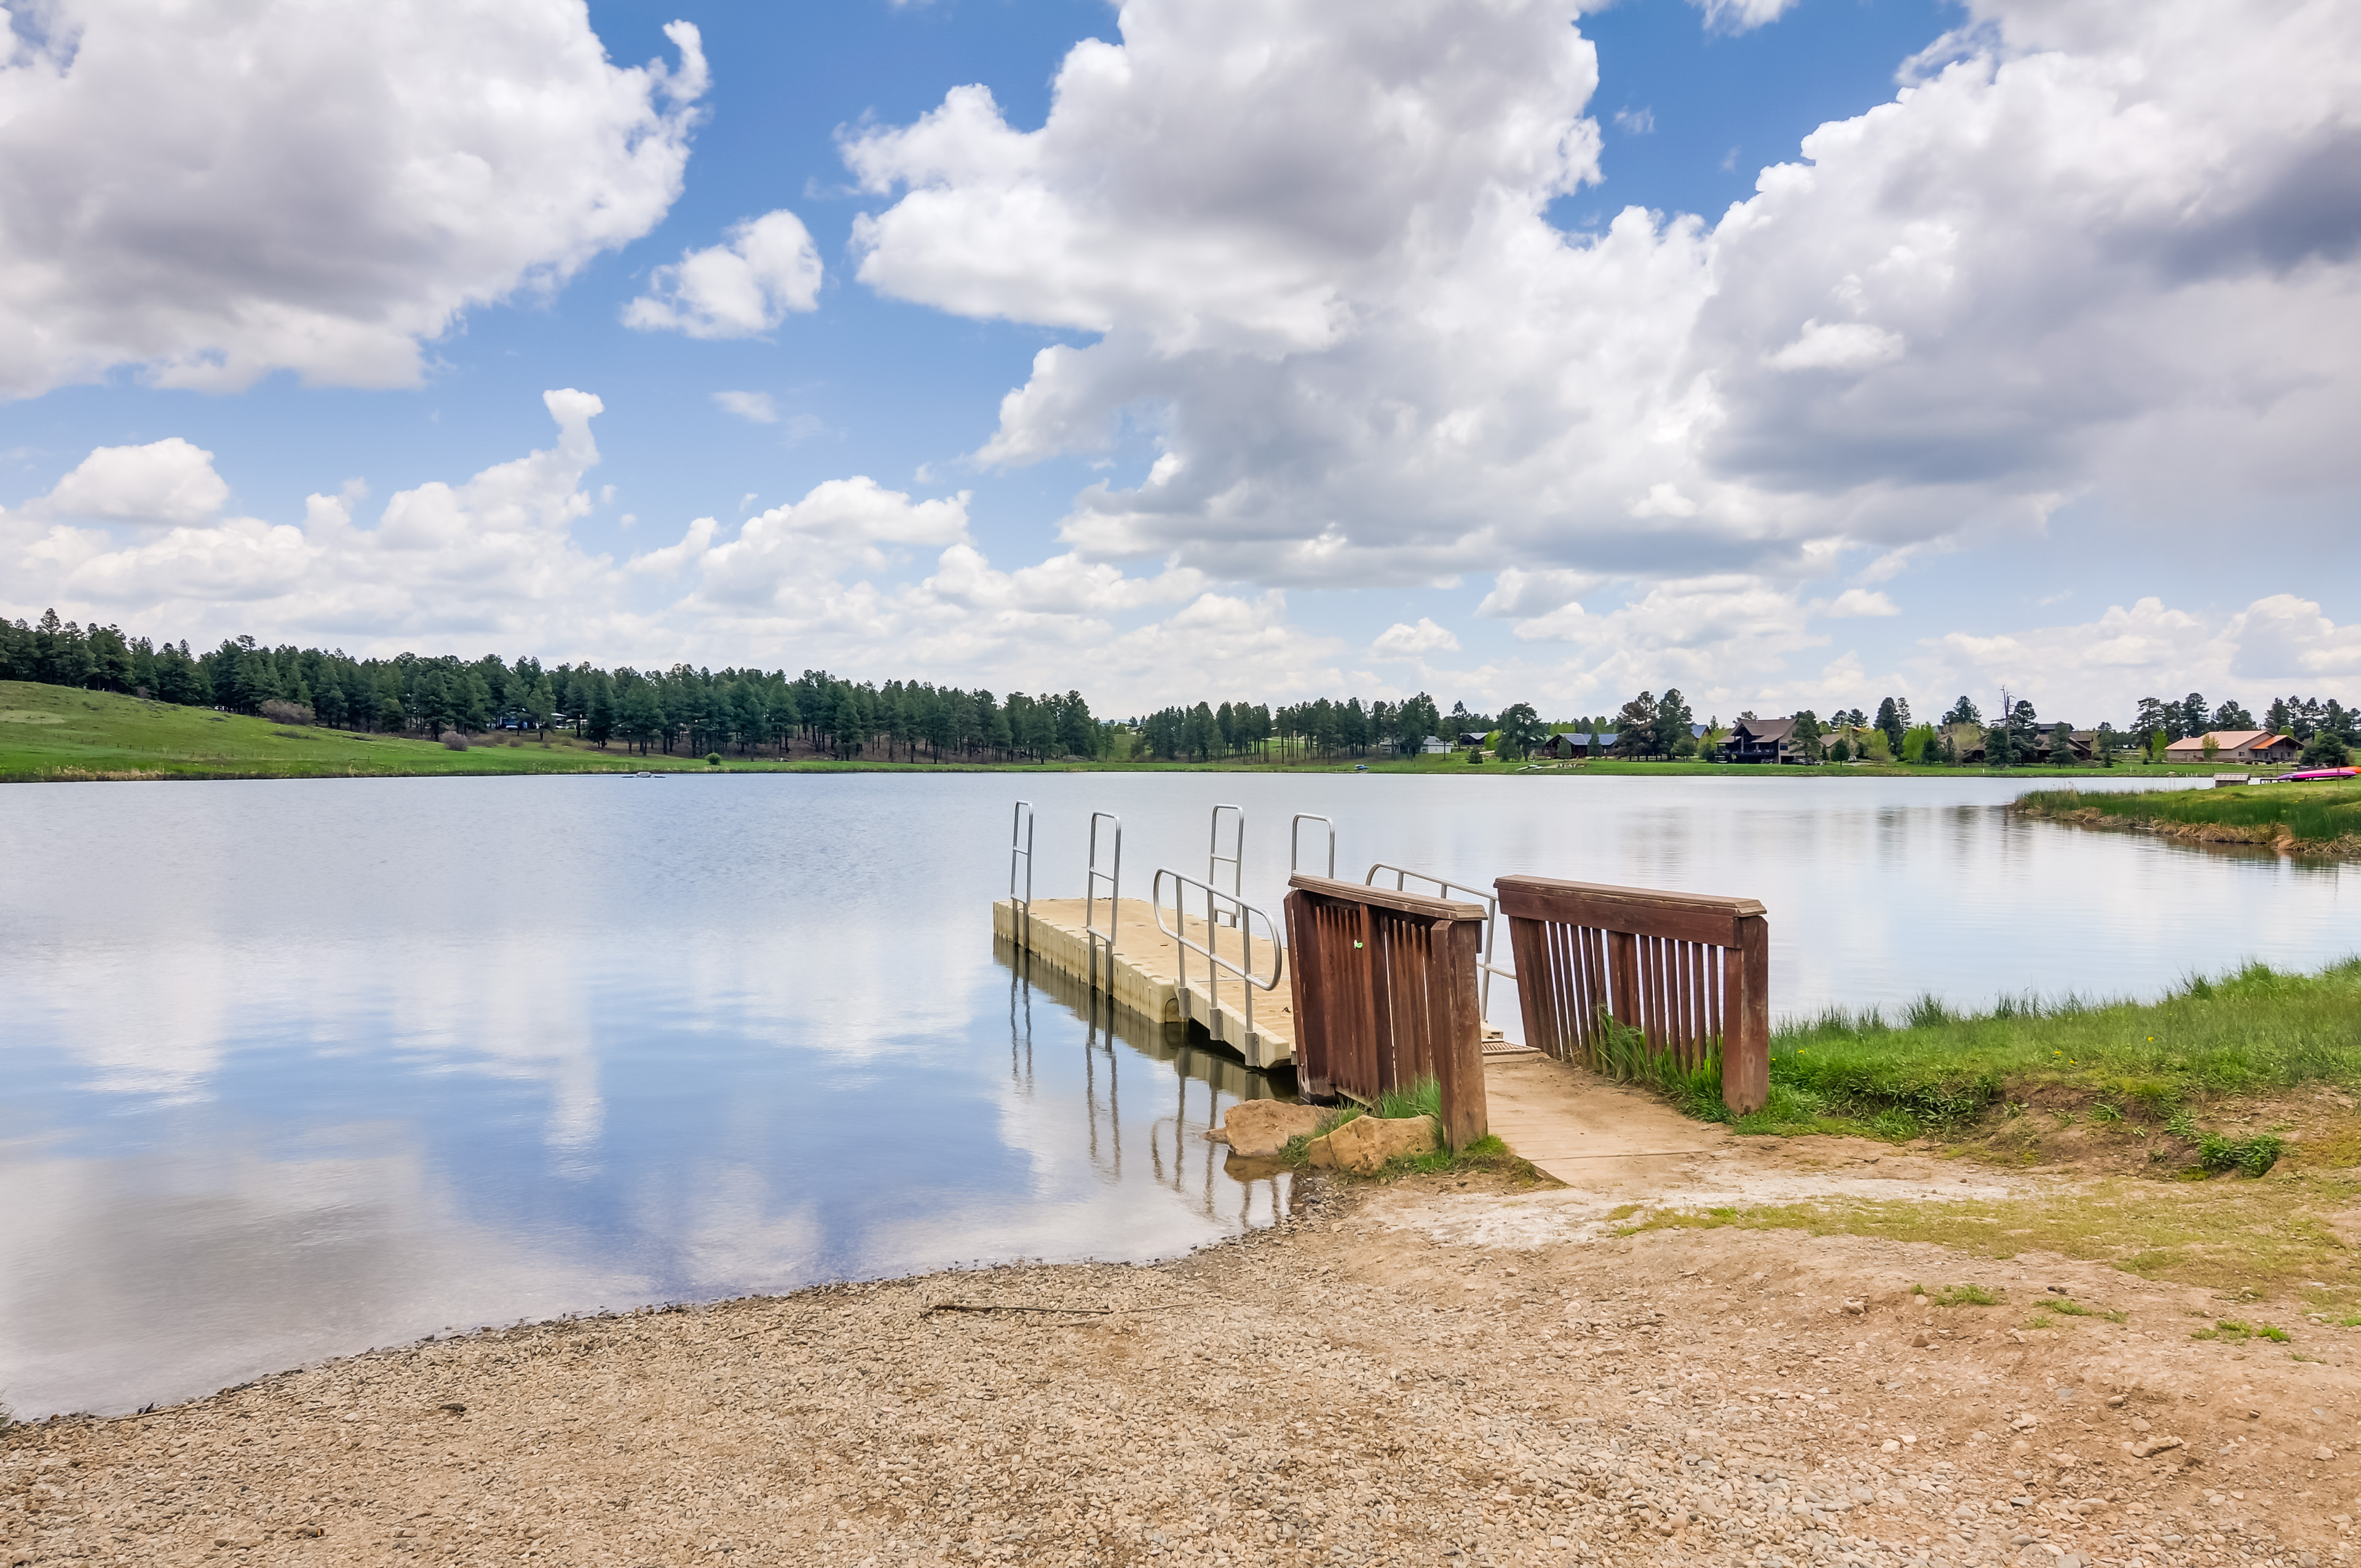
[[294, 1068]]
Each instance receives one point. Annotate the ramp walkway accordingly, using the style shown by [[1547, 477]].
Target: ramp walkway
[[1586, 1130]]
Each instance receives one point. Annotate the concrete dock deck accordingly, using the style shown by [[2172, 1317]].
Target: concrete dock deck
[[1148, 968], [1584, 1130]]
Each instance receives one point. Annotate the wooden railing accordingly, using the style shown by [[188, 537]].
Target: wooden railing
[[1691, 974], [1385, 995]]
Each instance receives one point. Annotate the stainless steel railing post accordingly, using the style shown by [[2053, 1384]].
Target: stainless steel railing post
[[1020, 847], [1242, 915], [1295, 842], [1236, 859], [1112, 878]]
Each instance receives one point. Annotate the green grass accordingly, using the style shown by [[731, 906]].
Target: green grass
[[1963, 1296], [2277, 1234], [2256, 1029], [2325, 816], [2237, 1332]]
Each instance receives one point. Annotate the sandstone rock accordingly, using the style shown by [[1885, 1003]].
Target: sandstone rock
[[1258, 1129], [1362, 1145]]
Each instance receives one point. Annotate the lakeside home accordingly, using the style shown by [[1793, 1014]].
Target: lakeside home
[[1762, 740], [2234, 746]]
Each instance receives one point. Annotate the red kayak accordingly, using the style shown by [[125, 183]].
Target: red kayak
[[2318, 773]]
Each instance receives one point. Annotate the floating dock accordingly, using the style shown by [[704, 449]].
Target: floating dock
[[1145, 972]]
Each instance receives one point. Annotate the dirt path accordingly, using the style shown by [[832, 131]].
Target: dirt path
[[1427, 1373]]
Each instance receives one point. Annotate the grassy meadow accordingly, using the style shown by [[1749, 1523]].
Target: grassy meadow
[[58, 733], [2324, 817], [2213, 1136]]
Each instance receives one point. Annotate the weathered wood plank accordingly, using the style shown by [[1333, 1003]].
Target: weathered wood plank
[[1387, 898], [1689, 918]]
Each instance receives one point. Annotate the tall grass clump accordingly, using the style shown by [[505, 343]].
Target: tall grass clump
[[1939, 1069], [1623, 1054], [2254, 1029], [1423, 1098]]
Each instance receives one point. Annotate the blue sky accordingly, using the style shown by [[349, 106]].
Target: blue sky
[[1389, 351]]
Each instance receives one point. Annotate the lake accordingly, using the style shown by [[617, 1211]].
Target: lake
[[294, 1069]]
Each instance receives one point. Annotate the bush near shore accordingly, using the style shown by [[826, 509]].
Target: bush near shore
[[2254, 1031], [2322, 818]]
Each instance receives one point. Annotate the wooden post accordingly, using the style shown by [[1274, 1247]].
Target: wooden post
[[1312, 1030], [1459, 1045], [1746, 1045]]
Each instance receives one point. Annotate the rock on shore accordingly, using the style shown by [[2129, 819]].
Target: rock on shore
[[1365, 1144], [1259, 1129]]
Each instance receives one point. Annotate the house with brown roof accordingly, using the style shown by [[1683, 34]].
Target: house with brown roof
[[1762, 740], [2234, 746]]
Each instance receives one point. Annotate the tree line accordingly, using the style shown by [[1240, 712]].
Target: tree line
[[682, 710], [692, 710]]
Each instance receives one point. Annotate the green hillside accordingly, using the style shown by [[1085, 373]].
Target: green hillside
[[61, 733]]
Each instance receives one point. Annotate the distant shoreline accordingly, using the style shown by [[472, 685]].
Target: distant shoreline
[[63, 735]]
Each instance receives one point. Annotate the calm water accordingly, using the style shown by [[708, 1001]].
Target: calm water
[[294, 1069]]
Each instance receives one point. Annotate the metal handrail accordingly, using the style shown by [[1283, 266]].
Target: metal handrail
[[1022, 819], [1242, 915], [1294, 841], [1113, 877], [1236, 859], [1445, 888]]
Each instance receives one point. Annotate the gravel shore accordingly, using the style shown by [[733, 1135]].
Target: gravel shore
[[1425, 1372]]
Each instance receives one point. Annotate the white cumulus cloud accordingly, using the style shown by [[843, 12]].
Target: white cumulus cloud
[[1522, 594], [768, 268], [1859, 602], [172, 481], [215, 189], [792, 553], [1742, 16], [754, 407], [2087, 250], [1404, 640]]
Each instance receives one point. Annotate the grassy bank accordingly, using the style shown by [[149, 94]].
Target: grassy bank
[[2144, 1066], [59, 733], [2316, 817]]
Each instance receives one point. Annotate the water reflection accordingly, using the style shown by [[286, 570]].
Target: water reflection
[[294, 1069], [1204, 1081]]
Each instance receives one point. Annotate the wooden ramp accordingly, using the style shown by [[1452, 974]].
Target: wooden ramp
[[1147, 966], [1583, 1129]]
